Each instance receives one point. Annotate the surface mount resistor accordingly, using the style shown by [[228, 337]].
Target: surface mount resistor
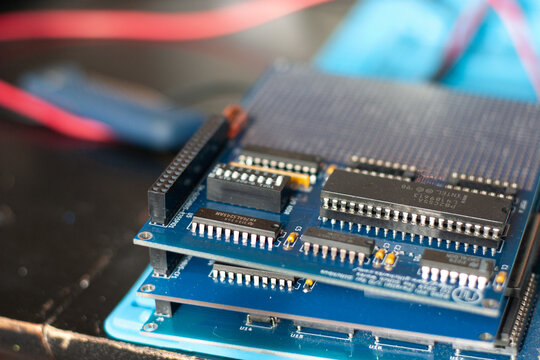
[[291, 238], [308, 285], [379, 255], [390, 259], [500, 279]]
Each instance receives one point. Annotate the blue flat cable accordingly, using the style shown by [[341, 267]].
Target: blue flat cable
[[150, 122], [404, 40]]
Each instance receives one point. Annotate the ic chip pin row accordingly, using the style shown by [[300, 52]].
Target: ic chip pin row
[[237, 236]]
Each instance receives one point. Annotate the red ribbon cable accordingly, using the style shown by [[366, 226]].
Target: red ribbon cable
[[138, 25], [463, 32], [123, 25], [515, 23], [52, 116]]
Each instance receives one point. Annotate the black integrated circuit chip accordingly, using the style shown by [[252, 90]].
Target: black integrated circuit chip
[[414, 208], [248, 187], [255, 277], [337, 243], [485, 186], [380, 167], [247, 230], [174, 185], [280, 159], [472, 271], [460, 263]]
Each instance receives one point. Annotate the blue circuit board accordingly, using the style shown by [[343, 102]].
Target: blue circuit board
[[225, 333], [293, 343], [437, 131], [191, 283]]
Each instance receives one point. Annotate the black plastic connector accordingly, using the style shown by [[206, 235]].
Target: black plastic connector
[[173, 186], [246, 187]]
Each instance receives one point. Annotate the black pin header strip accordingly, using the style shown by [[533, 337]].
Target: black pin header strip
[[174, 185]]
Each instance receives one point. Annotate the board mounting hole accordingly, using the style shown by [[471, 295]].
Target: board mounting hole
[[145, 235], [148, 288], [150, 326], [485, 336], [490, 303]]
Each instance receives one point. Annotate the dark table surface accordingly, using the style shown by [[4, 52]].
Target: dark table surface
[[69, 209]]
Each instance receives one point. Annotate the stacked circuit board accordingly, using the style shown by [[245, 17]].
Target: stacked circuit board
[[308, 228]]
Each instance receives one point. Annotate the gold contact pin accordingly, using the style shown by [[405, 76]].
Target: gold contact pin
[[296, 178]]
